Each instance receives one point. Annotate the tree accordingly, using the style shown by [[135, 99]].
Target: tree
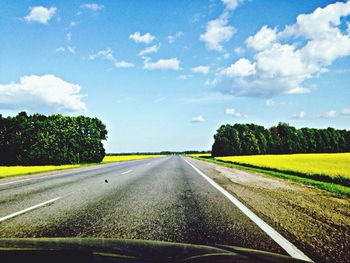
[[54, 139], [240, 139]]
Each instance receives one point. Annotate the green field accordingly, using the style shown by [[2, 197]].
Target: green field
[[9, 171]]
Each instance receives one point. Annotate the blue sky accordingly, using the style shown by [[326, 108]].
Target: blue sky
[[164, 75]]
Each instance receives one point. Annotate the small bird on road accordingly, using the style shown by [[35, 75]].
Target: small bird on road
[[106, 181]]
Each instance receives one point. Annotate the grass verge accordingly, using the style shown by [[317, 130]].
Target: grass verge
[[340, 190]]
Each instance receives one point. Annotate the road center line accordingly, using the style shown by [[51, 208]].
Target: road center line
[[292, 250], [29, 209], [129, 171]]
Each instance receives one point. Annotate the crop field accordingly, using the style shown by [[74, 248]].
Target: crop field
[[9, 171], [123, 158], [203, 155], [333, 167]]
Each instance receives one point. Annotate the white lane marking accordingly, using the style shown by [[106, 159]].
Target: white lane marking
[[292, 250], [29, 209], [61, 173], [148, 163], [129, 171]]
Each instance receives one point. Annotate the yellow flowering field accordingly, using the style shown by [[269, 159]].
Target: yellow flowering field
[[200, 155], [122, 158], [8, 171], [332, 165]]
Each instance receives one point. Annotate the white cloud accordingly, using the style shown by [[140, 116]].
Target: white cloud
[[286, 59], [40, 14], [138, 38], [198, 118], [231, 4], [107, 54], [177, 35], [330, 114], [346, 111], [46, 92], [239, 50], [226, 55], [71, 49], [149, 50], [270, 103], [217, 32], [201, 69], [60, 49], [241, 68], [299, 115], [184, 77], [69, 36], [211, 82], [104, 54], [298, 90], [162, 64], [232, 112], [72, 24], [207, 98], [92, 7], [263, 39], [123, 64], [344, 70]]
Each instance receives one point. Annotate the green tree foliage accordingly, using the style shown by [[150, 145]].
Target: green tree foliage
[[245, 139], [56, 139]]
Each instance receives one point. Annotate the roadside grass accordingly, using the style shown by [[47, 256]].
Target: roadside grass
[[340, 190], [10, 171]]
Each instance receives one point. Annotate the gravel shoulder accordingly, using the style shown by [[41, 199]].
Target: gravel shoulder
[[316, 221]]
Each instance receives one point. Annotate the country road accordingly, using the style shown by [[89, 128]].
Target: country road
[[162, 198]]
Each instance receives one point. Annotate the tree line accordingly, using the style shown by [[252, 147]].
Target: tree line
[[161, 153], [56, 139], [246, 139]]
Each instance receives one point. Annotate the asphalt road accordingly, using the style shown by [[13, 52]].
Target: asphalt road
[[156, 199]]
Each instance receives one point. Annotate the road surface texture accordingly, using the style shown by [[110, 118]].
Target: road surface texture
[[168, 199]]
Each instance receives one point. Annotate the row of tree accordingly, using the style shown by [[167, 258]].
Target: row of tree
[[56, 139], [161, 153], [245, 139]]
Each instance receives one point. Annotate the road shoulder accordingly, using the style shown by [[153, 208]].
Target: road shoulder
[[312, 219]]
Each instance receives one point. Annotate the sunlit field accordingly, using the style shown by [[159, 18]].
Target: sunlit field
[[9, 171], [200, 155], [328, 167], [122, 158]]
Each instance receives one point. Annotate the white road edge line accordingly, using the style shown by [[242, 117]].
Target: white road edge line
[[129, 171], [292, 250], [29, 209]]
